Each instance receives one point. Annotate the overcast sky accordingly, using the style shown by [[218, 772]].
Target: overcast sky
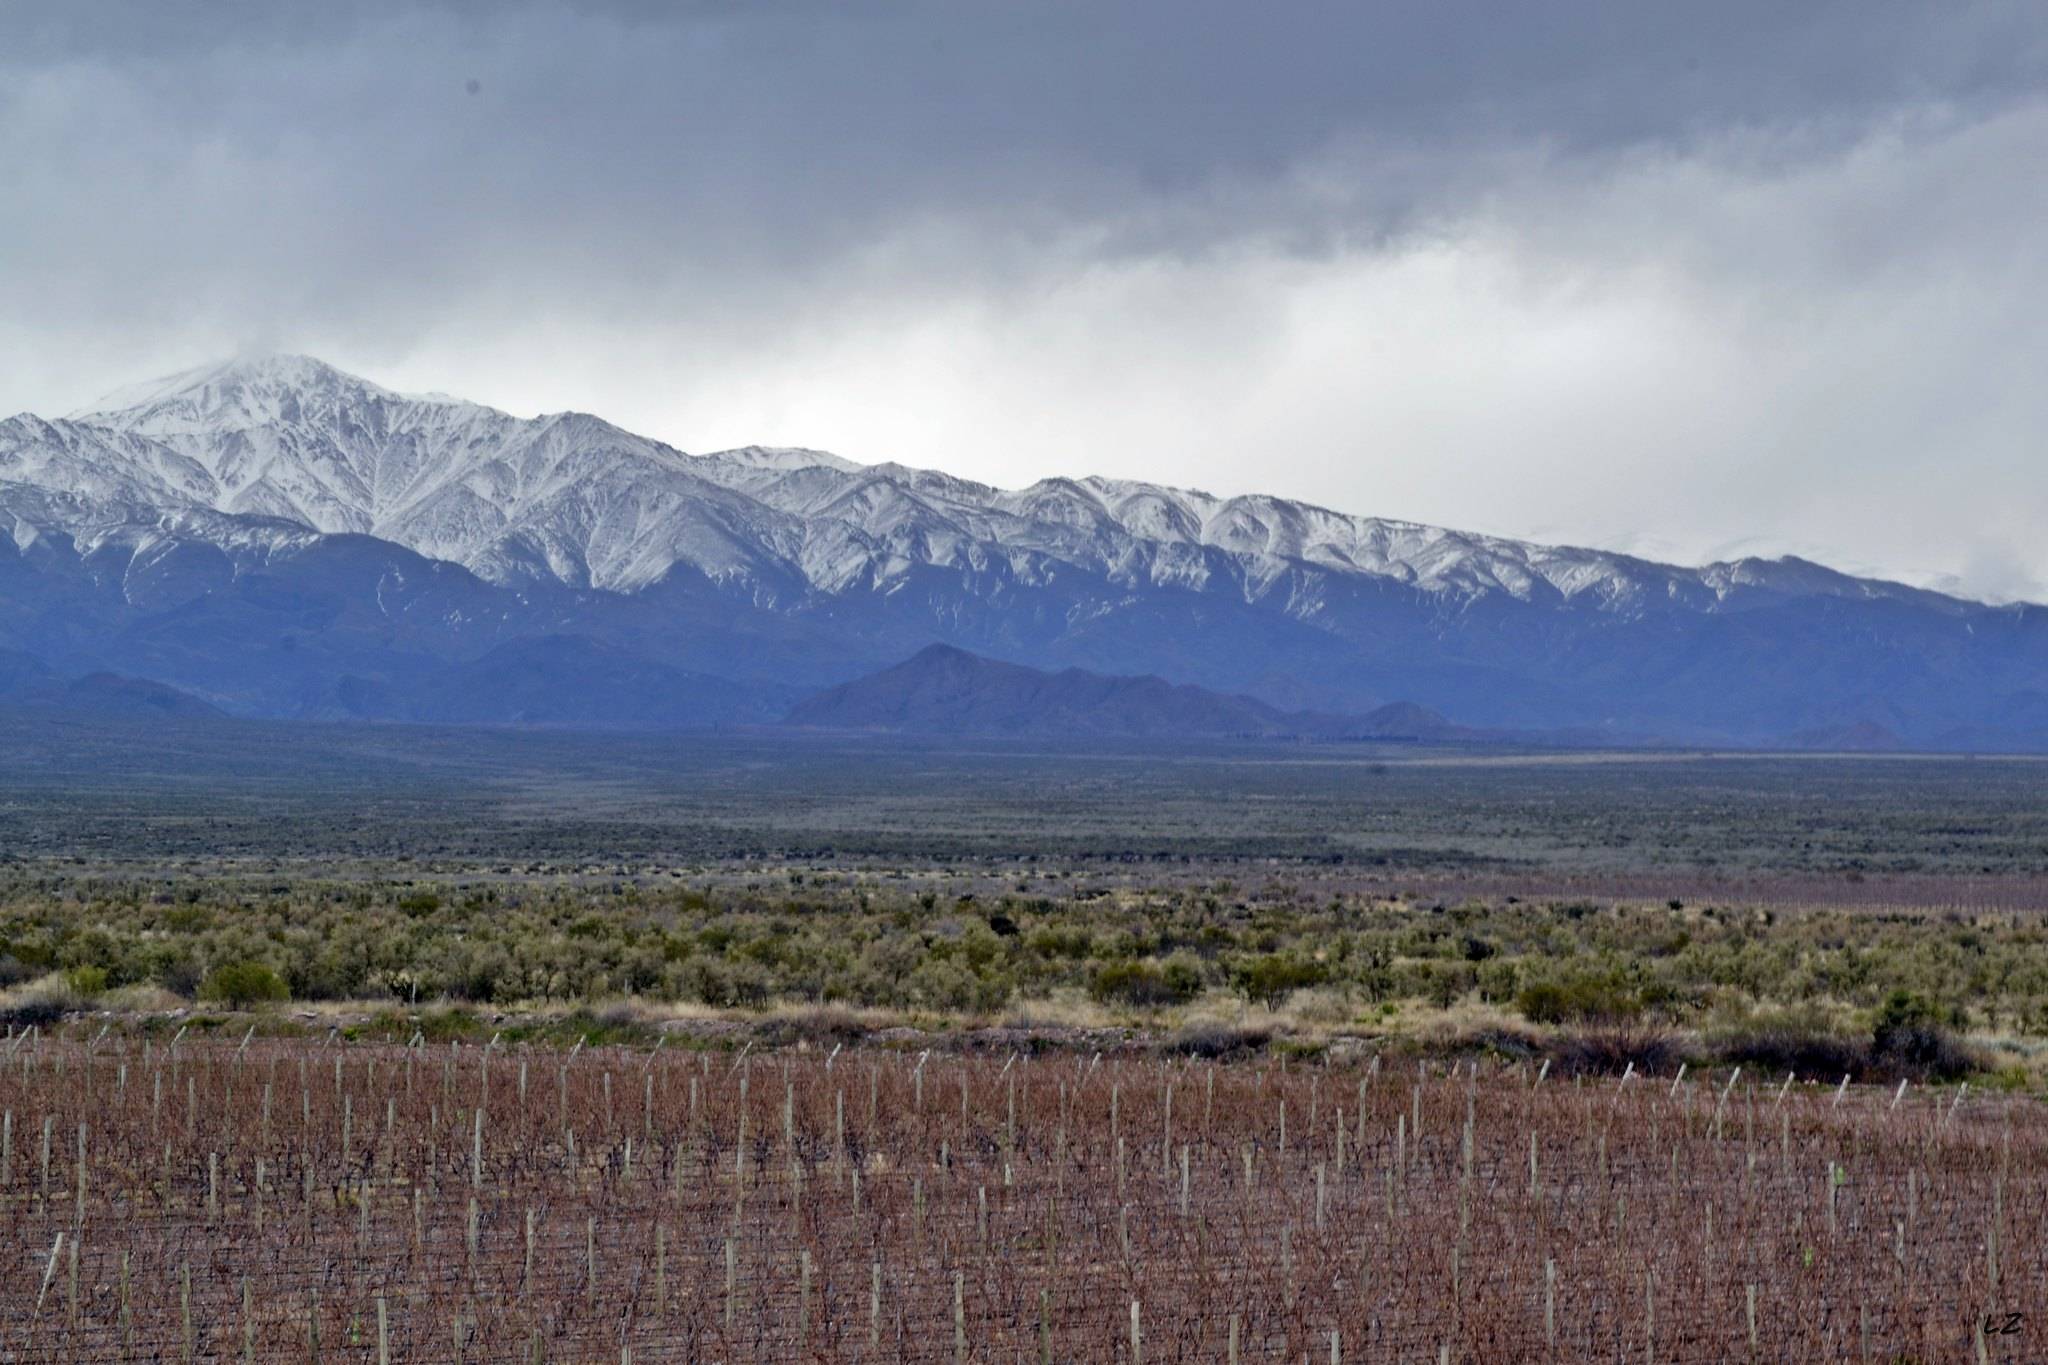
[[1756, 278]]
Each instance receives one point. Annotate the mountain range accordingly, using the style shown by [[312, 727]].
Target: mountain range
[[275, 537]]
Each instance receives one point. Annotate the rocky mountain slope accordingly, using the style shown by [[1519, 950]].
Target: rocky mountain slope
[[282, 538]]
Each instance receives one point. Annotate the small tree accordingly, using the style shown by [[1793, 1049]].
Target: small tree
[[1271, 979], [1911, 1037], [242, 984], [1146, 984]]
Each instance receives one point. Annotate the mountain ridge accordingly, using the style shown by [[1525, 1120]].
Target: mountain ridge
[[27, 683], [945, 690], [254, 532], [292, 438]]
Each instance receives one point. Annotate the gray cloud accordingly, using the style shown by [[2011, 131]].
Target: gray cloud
[[1751, 274]]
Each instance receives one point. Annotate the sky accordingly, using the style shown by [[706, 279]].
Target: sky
[[1692, 282]]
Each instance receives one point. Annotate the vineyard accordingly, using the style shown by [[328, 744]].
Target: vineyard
[[174, 1200]]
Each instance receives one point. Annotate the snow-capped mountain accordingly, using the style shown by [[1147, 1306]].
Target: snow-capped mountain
[[287, 440], [190, 493], [291, 442]]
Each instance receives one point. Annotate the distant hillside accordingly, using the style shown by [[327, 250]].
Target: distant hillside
[[26, 681], [943, 690], [566, 681]]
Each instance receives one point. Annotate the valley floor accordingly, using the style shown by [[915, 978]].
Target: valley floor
[[420, 1044]]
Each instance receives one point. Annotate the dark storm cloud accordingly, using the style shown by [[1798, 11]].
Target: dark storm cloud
[[780, 128], [1611, 262]]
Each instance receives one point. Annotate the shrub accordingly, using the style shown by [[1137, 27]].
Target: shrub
[[1911, 1038], [1449, 982], [1577, 999], [1611, 1050], [1498, 981], [1269, 980], [1788, 1048], [1215, 1041], [1146, 984], [1908, 1039], [38, 1012], [1498, 1042], [1543, 1002], [86, 980], [817, 1025], [1300, 1049], [449, 1024], [41, 1003], [242, 984], [1791, 1044], [948, 986]]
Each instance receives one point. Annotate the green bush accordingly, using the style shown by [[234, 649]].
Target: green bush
[[1269, 980], [86, 980], [1576, 1000], [242, 984], [1903, 1015], [911, 943], [1448, 983], [1478, 949], [1146, 984], [1499, 981], [1911, 1038], [942, 985]]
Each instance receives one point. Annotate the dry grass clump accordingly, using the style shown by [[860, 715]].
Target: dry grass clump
[[1319, 1007], [142, 998], [1909, 1039], [1611, 1050], [1218, 1041], [39, 1003], [1059, 1010], [815, 1025]]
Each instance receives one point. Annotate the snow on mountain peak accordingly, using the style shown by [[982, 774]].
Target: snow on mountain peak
[[246, 388], [290, 441], [783, 457]]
